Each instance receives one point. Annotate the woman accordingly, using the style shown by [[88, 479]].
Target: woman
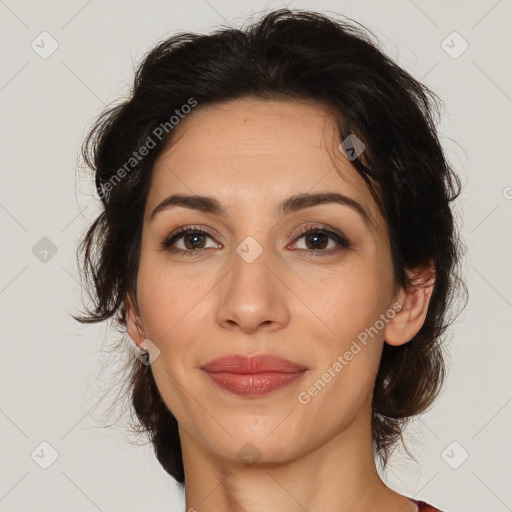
[[277, 240]]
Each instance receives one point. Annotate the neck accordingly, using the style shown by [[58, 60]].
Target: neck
[[342, 472]]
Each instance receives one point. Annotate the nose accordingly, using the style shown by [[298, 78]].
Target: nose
[[252, 297]]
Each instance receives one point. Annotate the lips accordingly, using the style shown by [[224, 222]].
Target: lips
[[252, 365], [253, 376]]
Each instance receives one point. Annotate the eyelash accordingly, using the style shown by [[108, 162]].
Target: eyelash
[[342, 241]]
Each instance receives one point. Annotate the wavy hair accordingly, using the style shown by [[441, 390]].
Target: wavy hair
[[290, 54]]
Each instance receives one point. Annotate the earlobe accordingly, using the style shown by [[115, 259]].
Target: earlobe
[[415, 301], [134, 324]]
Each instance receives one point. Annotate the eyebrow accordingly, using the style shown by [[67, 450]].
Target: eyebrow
[[291, 204]]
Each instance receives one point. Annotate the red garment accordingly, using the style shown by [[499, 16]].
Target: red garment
[[425, 507]]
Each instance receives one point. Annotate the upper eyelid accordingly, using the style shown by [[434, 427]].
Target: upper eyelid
[[189, 229], [303, 231], [186, 229]]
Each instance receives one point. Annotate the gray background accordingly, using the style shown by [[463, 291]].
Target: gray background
[[51, 372]]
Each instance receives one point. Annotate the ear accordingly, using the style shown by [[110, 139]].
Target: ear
[[134, 323], [414, 301]]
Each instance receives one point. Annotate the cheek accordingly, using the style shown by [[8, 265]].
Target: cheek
[[170, 299], [348, 359], [348, 301], [171, 307]]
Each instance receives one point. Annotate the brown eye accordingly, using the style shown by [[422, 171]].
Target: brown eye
[[316, 240], [320, 242], [192, 240]]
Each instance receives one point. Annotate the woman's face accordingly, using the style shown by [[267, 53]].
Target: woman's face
[[253, 284]]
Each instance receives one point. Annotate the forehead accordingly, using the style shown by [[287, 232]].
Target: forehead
[[253, 149], [252, 129]]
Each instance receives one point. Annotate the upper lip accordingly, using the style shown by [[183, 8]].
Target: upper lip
[[237, 363]]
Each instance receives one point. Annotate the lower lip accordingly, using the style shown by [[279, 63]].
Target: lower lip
[[253, 384]]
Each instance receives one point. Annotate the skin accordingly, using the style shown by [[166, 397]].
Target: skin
[[250, 155]]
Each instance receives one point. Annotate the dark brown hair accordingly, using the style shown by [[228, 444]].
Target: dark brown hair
[[306, 56]]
